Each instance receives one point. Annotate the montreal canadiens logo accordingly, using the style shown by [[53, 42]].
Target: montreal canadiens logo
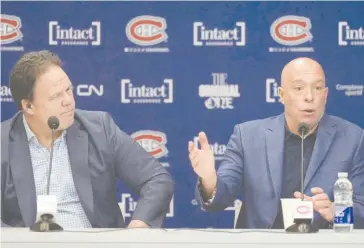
[[153, 142], [10, 29], [291, 30], [147, 30], [303, 209]]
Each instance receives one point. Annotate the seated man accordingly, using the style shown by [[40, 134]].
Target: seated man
[[90, 153], [263, 157]]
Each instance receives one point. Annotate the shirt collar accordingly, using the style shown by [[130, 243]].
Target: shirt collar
[[30, 133], [289, 134]]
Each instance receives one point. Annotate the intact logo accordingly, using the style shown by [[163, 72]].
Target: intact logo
[[5, 94], [146, 94], [146, 31], [70, 36], [128, 206], [203, 36], [291, 31], [217, 149], [350, 36], [153, 142], [10, 32], [271, 91], [220, 94]]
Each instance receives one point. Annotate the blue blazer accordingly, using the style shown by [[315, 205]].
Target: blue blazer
[[253, 167], [99, 154]]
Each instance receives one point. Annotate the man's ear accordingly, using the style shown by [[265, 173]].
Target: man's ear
[[281, 94], [27, 106]]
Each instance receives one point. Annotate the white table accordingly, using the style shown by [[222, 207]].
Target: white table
[[157, 238]]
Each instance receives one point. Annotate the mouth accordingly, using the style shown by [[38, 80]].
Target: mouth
[[68, 112], [308, 111]]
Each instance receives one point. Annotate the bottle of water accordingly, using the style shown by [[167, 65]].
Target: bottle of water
[[343, 204]]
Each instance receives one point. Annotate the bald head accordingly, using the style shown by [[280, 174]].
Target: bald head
[[298, 68], [303, 92]]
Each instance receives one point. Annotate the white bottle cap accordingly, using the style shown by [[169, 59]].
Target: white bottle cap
[[342, 174]]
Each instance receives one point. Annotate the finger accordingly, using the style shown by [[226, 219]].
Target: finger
[[317, 190], [203, 141], [299, 195], [193, 161], [322, 204], [320, 197], [193, 155], [191, 146], [326, 213]]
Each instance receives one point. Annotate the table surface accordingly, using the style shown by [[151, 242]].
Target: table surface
[[186, 236]]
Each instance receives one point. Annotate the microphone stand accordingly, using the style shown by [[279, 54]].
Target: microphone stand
[[302, 225], [46, 222]]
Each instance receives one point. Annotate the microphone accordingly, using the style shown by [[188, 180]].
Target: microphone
[[53, 124], [47, 204], [303, 130], [303, 210]]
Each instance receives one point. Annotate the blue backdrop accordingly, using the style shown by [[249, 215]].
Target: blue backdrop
[[165, 71]]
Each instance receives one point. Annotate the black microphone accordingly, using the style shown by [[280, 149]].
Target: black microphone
[[46, 222], [53, 124], [303, 211], [303, 129]]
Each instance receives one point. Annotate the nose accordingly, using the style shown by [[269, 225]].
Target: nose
[[308, 95], [68, 100]]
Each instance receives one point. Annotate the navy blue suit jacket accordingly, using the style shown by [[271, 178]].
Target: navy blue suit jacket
[[99, 154], [253, 167]]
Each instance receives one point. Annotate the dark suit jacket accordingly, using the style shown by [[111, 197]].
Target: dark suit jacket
[[253, 166], [99, 154]]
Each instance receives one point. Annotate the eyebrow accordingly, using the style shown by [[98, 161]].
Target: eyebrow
[[59, 92]]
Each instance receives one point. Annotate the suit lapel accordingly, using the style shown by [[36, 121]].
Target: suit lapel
[[275, 150], [77, 143], [22, 172], [325, 136]]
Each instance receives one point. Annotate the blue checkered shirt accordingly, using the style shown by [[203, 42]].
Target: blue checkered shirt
[[70, 213]]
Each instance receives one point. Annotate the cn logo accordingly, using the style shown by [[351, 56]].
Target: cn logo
[[89, 89]]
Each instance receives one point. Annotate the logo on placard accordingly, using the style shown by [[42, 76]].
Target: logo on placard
[[219, 94], [128, 206], [303, 209], [146, 94], [203, 36], [146, 31], [271, 91], [70, 36], [10, 32], [5, 94], [291, 31], [350, 36]]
